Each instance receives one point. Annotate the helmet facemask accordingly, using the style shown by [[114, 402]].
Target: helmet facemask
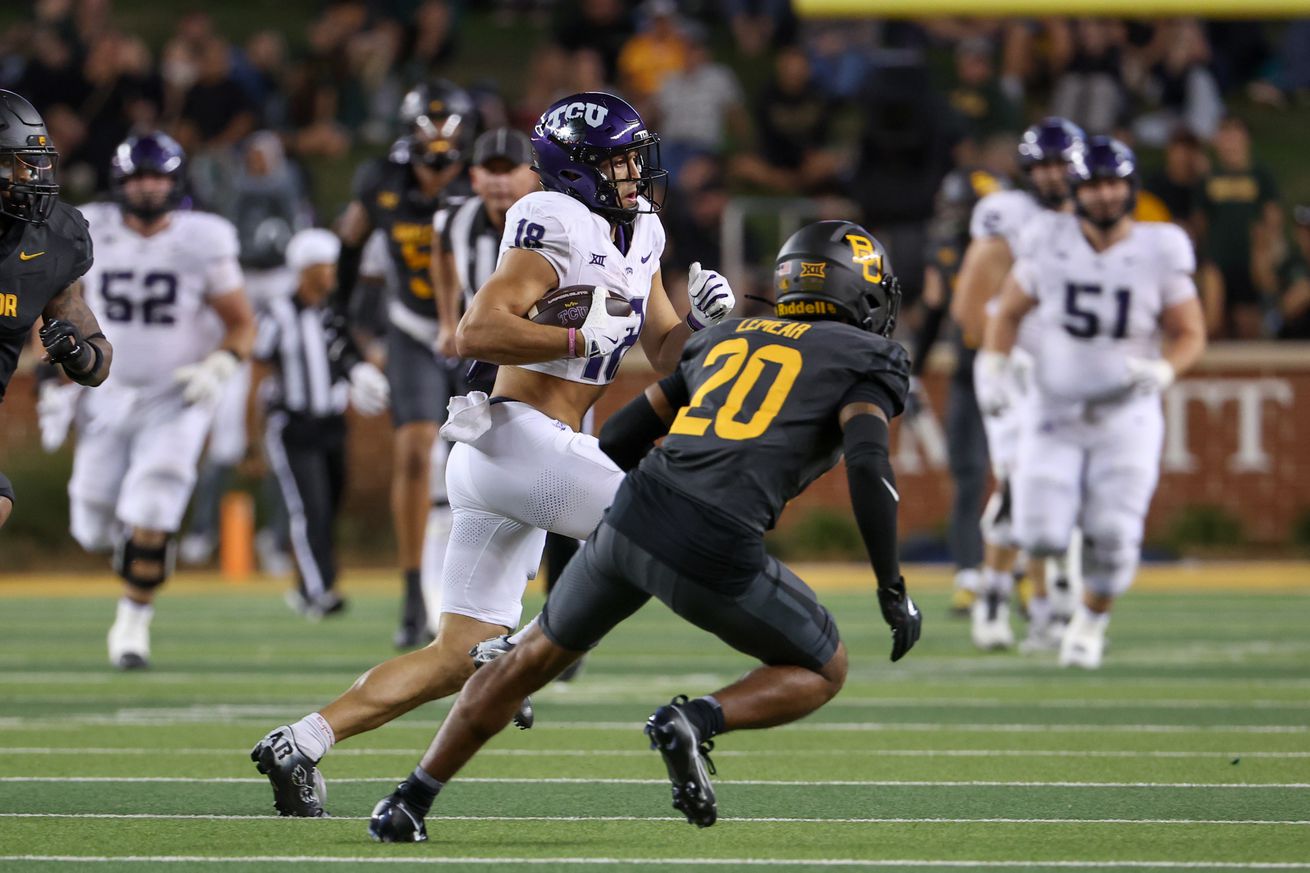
[[28, 191], [617, 172]]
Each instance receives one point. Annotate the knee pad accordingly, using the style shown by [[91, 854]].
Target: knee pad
[[997, 529], [1109, 563], [162, 557]]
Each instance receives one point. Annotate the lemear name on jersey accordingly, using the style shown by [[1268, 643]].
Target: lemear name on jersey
[[788, 329]]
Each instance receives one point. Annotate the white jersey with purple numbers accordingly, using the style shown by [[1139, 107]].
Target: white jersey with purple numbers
[[1004, 214], [150, 294], [577, 243], [1097, 309]]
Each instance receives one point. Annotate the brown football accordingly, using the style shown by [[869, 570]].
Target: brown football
[[568, 307]]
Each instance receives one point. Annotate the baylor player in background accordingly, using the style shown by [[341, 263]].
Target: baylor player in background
[[44, 251], [757, 409], [399, 194]]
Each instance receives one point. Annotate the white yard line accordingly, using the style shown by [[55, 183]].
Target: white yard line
[[433, 858], [647, 818], [155, 751], [569, 780]]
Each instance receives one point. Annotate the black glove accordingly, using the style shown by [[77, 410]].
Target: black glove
[[63, 345], [901, 615]]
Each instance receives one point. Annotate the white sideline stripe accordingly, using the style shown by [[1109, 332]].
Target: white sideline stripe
[[643, 753], [572, 780], [657, 862], [172, 717], [666, 818]]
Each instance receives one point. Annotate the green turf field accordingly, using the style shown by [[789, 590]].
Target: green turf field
[[1189, 749]]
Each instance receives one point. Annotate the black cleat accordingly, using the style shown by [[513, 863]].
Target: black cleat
[[132, 661], [298, 787], [572, 671], [688, 761], [394, 820], [489, 650]]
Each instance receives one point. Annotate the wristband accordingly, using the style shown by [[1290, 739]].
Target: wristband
[[573, 342], [97, 358]]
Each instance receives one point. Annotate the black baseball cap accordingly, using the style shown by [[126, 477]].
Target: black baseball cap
[[503, 142]]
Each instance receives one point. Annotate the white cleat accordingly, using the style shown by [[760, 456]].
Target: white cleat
[[129, 638], [1083, 642], [990, 615]]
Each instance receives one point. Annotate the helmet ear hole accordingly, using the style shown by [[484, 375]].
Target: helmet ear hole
[[570, 175]]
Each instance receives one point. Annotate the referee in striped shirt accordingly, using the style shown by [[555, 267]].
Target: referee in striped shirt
[[318, 371]]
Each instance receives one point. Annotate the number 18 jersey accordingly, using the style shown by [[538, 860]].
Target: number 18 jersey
[[577, 243], [1097, 309], [150, 293]]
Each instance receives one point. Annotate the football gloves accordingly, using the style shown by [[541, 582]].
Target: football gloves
[[64, 345], [202, 383], [901, 615], [56, 407], [711, 297], [991, 382], [369, 392], [1147, 376], [602, 333]]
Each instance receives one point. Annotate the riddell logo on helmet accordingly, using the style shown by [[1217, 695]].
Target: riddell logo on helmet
[[805, 307], [593, 113]]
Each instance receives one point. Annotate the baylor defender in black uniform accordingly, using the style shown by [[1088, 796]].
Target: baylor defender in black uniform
[[757, 409], [399, 194], [44, 250]]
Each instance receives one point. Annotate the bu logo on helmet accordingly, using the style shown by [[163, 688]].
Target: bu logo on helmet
[[593, 113]]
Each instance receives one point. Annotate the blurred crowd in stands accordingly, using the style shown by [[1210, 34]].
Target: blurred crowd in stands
[[865, 116]]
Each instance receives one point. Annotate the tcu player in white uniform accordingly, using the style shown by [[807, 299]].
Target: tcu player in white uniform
[[1044, 154], [521, 466], [1119, 321], [157, 275]]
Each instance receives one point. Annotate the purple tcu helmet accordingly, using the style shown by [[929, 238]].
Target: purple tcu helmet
[[154, 154], [1052, 139], [576, 138], [1105, 158]]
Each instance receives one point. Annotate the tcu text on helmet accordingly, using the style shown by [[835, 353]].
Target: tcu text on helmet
[[593, 113]]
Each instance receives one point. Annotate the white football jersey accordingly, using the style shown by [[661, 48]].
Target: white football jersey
[[150, 293], [1097, 309], [1003, 214], [576, 242]]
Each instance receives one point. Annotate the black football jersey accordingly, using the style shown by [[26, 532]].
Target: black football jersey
[[761, 419], [395, 204], [36, 263]]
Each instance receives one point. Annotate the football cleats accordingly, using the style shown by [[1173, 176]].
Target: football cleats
[[1104, 158], [837, 270], [439, 121], [687, 760], [28, 191], [576, 140], [1052, 140], [151, 154], [298, 787]]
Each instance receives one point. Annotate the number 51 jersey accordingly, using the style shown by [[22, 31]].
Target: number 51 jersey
[[762, 419], [150, 293], [1097, 309]]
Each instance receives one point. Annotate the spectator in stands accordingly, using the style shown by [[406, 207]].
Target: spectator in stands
[[695, 106], [841, 56], [1087, 58], [1177, 183], [264, 76], [51, 77], [1239, 207], [758, 25], [112, 107], [217, 112], [1180, 86], [602, 25], [656, 52], [977, 95], [1291, 278], [792, 122], [429, 41]]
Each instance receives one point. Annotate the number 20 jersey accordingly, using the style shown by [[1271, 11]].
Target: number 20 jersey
[[761, 422], [150, 293], [1097, 309], [577, 243]]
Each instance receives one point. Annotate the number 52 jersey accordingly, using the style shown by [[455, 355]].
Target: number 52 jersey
[[150, 293], [1097, 309]]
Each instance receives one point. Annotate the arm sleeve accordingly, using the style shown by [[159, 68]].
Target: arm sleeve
[[348, 262], [342, 351], [925, 337], [874, 498], [629, 434], [529, 226]]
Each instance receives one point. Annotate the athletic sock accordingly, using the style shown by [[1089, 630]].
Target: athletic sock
[[313, 736], [1039, 611], [997, 582], [420, 789], [1097, 620], [131, 612], [705, 715], [968, 579]]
